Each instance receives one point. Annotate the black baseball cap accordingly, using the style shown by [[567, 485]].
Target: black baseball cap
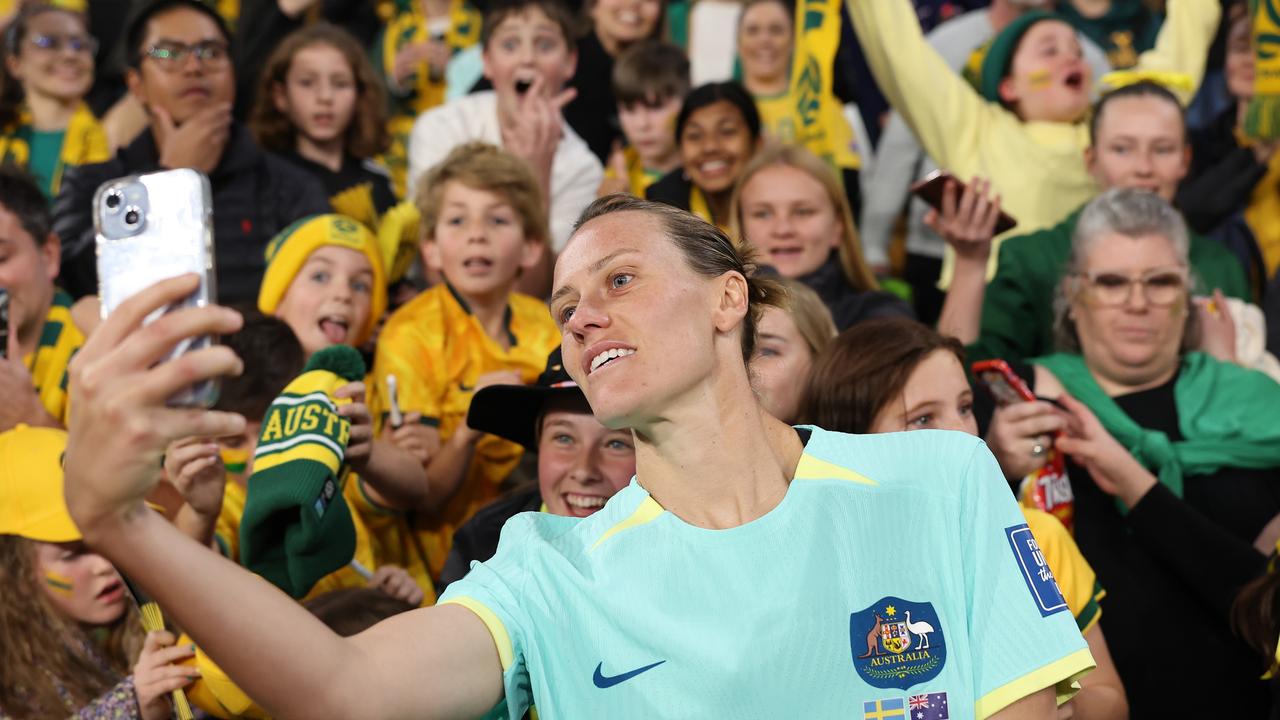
[[512, 411]]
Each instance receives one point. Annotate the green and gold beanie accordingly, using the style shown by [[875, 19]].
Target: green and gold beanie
[[296, 526]]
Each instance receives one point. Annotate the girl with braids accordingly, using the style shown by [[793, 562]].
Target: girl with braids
[[732, 577], [70, 632], [47, 70]]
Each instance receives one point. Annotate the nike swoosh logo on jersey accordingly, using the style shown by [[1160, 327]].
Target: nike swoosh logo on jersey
[[603, 682]]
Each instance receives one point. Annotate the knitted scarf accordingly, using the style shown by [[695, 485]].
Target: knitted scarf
[[1262, 117]]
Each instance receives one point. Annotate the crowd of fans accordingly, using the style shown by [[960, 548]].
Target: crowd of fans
[[393, 183]]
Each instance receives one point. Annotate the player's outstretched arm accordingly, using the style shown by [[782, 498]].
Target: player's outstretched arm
[[435, 662]]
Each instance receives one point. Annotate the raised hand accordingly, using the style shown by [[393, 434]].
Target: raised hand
[[398, 583], [968, 223]]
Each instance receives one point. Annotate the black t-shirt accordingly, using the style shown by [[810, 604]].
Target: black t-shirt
[[1171, 568]]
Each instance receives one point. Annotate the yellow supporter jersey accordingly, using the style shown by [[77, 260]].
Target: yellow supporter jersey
[[60, 339], [1076, 579], [778, 118], [226, 532], [388, 537], [84, 142], [639, 178], [437, 350]]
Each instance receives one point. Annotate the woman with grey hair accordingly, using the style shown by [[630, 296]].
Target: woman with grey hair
[[1174, 459]]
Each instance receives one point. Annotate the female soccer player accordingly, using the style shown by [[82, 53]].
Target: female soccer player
[[750, 569]]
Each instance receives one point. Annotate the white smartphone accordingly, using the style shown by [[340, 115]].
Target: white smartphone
[[149, 228]]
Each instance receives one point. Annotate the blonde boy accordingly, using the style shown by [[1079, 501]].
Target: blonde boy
[[484, 223]]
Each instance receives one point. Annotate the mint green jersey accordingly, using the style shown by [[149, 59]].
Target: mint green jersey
[[896, 579]]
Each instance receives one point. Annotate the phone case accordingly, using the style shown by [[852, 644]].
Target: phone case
[[932, 187], [1002, 382], [149, 228]]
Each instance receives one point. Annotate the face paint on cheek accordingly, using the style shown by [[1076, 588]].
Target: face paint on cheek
[[60, 584], [1039, 79]]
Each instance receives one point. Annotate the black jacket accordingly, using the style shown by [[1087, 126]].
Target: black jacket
[[477, 539], [255, 195], [847, 304]]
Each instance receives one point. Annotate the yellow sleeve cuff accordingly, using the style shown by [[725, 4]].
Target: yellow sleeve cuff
[[506, 655], [1062, 674]]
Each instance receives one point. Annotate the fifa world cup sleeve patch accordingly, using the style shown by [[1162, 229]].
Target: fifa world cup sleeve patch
[[1035, 570], [897, 643]]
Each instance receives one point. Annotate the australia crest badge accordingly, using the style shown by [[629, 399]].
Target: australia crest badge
[[897, 643]]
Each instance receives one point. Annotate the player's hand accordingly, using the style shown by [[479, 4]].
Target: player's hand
[[968, 223], [198, 142], [1017, 429], [194, 466], [360, 438], [157, 673], [398, 583], [120, 384]]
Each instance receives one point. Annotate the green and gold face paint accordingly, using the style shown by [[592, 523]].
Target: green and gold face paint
[[1039, 79], [59, 583]]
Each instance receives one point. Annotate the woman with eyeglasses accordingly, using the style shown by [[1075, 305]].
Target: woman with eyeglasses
[[44, 122], [1174, 458]]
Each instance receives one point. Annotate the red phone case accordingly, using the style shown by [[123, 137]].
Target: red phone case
[[1002, 382]]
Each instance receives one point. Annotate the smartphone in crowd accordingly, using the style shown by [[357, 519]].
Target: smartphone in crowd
[[932, 188], [149, 228], [1005, 386], [4, 323]]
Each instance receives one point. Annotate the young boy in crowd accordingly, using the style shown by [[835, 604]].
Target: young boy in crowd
[[213, 476], [529, 56], [581, 463], [484, 224], [650, 81]]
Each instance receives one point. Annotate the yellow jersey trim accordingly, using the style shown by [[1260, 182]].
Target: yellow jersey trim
[[1072, 666], [648, 511], [501, 639], [811, 468]]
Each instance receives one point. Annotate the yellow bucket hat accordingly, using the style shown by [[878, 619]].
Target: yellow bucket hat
[[289, 249], [32, 504]]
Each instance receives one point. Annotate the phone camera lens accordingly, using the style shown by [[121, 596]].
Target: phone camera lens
[[132, 217], [114, 200]]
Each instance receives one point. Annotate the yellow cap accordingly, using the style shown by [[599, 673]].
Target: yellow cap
[[31, 501], [289, 250], [216, 693]]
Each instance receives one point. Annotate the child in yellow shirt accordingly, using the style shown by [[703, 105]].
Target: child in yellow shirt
[[484, 221]]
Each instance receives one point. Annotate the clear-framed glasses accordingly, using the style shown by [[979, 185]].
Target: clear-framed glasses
[[1160, 287], [56, 43], [171, 55]]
